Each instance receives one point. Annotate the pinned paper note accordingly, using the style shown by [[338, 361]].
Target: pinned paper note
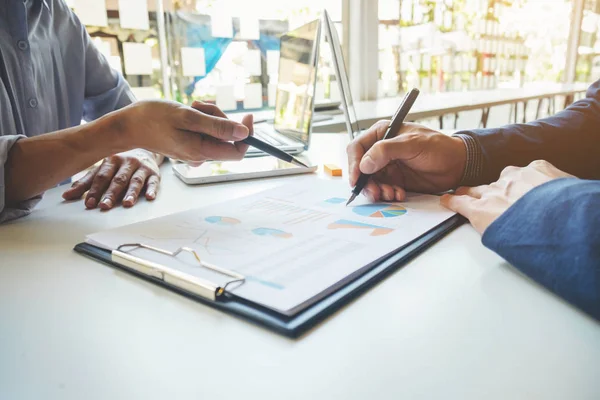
[[226, 97], [145, 93], [249, 28], [221, 24], [133, 14], [273, 62], [253, 96], [272, 94], [138, 58], [252, 63], [193, 61], [91, 12]]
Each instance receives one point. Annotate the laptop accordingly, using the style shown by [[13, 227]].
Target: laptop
[[295, 102], [347, 104]]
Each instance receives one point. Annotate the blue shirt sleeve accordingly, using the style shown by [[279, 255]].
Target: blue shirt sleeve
[[568, 140], [552, 234]]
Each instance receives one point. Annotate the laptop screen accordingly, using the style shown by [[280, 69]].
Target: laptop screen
[[297, 79], [342, 76]]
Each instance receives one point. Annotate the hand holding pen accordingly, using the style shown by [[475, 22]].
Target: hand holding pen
[[250, 140], [392, 129]]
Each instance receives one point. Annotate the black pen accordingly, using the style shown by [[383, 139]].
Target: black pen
[[393, 128], [272, 150]]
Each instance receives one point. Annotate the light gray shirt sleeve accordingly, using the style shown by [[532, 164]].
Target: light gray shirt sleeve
[[16, 210]]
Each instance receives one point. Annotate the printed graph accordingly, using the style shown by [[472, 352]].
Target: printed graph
[[225, 221], [349, 224], [335, 200], [272, 232], [379, 210]]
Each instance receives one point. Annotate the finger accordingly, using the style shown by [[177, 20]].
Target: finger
[[387, 192], [216, 126], [357, 148], [463, 205], [208, 108], [101, 182], [372, 191], [475, 192], [248, 121], [202, 148], [211, 109], [152, 187], [136, 184], [403, 148], [400, 193], [119, 184], [79, 187]]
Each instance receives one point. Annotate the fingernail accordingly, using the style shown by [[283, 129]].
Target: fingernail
[[151, 195], [129, 199], [240, 132], [91, 202], [107, 202], [367, 165]]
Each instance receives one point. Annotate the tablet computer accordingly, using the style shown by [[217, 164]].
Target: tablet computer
[[248, 168]]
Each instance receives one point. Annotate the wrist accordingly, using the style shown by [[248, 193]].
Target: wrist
[[113, 128], [473, 160]]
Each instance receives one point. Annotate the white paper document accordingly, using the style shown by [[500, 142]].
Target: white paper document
[[133, 14], [221, 24], [193, 61], [249, 28], [138, 58], [294, 244], [253, 96], [252, 63], [225, 97], [91, 12]]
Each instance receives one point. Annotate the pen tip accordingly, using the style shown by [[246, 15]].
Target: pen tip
[[299, 163], [351, 199]]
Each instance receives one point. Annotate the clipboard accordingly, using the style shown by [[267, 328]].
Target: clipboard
[[294, 326]]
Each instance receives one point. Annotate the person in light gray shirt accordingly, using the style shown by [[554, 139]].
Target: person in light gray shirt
[[51, 77]]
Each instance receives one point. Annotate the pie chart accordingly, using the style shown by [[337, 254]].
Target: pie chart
[[379, 210], [227, 221]]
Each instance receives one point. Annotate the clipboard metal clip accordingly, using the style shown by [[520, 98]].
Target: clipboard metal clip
[[187, 282]]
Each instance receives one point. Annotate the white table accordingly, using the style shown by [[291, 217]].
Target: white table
[[455, 323], [431, 105]]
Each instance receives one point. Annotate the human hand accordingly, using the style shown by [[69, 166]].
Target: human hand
[[482, 205], [416, 159], [211, 109], [122, 176], [180, 132]]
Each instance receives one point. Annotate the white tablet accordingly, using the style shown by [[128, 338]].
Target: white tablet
[[248, 168]]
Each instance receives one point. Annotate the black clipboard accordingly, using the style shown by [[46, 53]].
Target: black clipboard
[[298, 324]]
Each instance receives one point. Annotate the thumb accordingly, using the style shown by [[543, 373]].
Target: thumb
[[402, 148], [248, 122]]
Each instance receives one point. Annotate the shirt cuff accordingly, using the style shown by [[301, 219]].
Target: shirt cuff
[[474, 165], [23, 208]]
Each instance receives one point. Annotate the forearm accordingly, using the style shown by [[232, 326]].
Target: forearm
[[552, 234], [40, 163], [568, 140]]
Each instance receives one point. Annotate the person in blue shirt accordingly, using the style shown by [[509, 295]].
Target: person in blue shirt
[[532, 190], [51, 77]]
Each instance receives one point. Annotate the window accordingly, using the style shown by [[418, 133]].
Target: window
[[454, 45], [227, 51]]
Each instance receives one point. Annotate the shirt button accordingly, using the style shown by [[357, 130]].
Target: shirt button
[[33, 103], [22, 45]]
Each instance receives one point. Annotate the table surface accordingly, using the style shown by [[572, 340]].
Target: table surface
[[430, 105], [456, 322]]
